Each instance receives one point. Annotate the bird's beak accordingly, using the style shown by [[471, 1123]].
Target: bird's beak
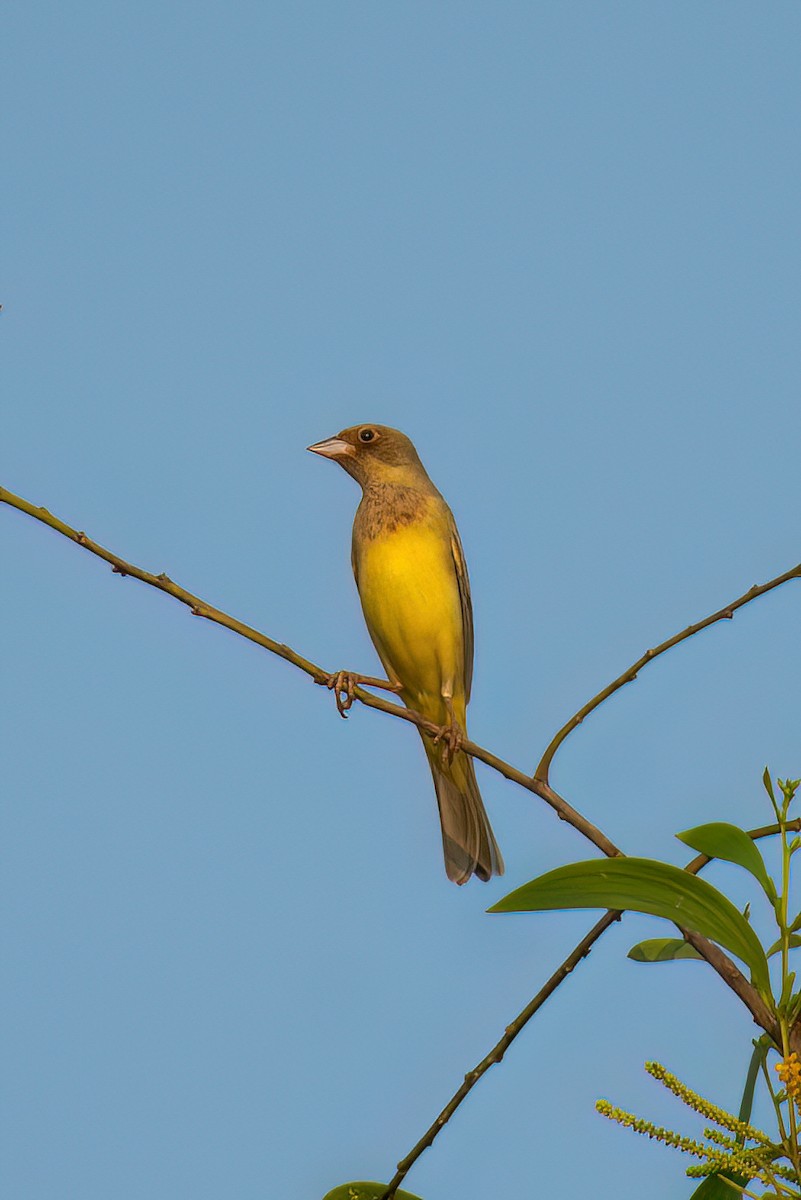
[[332, 448]]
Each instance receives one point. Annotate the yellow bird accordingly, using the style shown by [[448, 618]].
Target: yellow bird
[[412, 581]]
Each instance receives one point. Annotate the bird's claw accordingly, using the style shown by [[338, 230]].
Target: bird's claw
[[343, 685], [451, 739]]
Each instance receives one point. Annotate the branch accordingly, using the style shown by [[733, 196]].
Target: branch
[[201, 608], [512, 1030], [733, 977], [198, 607], [723, 614], [497, 1052], [724, 966]]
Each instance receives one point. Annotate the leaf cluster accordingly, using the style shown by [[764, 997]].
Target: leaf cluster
[[735, 1155], [663, 890]]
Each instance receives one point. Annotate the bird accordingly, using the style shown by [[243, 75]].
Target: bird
[[414, 589]]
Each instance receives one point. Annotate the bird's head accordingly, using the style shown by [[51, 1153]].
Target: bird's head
[[374, 454]]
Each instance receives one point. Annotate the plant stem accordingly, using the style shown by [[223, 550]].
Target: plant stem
[[783, 906], [776, 1105]]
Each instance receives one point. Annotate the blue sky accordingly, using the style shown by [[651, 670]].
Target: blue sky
[[558, 245]]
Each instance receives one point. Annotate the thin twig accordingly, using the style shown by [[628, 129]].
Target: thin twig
[[497, 1052], [723, 614], [513, 1029]]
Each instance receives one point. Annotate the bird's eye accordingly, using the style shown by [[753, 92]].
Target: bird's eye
[[366, 435]]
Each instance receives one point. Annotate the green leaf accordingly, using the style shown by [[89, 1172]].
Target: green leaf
[[647, 886], [364, 1191], [721, 840], [768, 784], [794, 941], [761, 1047], [662, 950], [713, 1187], [794, 1008], [787, 990]]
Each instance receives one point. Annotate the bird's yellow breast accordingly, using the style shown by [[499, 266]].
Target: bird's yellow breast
[[410, 597]]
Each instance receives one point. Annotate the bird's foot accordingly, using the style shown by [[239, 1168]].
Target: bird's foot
[[344, 683], [451, 739]]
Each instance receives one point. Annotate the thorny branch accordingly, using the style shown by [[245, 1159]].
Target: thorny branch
[[201, 608], [539, 784]]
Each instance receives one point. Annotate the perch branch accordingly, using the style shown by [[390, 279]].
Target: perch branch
[[201, 608]]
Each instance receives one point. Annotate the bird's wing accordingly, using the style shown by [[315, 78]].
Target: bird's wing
[[466, 605]]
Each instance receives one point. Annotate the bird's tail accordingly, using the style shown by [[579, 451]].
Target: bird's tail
[[467, 839]]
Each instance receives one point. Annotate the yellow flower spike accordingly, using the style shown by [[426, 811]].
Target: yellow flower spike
[[789, 1072], [708, 1110]]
